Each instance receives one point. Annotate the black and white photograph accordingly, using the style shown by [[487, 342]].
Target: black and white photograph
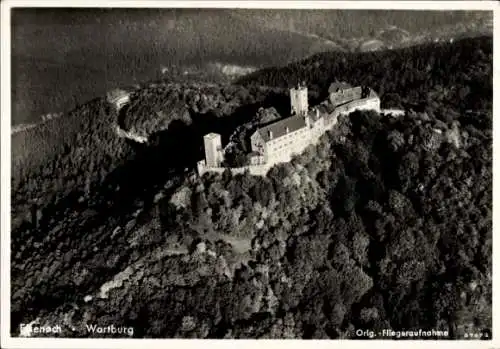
[[222, 171]]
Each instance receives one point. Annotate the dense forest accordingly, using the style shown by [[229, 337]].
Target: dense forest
[[438, 76], [385, 224]]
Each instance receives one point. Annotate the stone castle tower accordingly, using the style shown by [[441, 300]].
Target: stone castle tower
[[213, 149], [298, 100]]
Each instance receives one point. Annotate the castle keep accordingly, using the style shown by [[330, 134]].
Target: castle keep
[[299, 100], [213, 150], [279, 141]]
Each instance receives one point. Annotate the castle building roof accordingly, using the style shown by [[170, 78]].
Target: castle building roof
[[351, 94], [281, 128]]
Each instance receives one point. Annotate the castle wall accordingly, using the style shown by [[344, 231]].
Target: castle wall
[[255, 170], [309, 136], [257, 160], [370, 103], [280, 148], [393, 112], [318, 128]]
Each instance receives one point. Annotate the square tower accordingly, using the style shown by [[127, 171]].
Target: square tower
[[298, 100], [213, 149]]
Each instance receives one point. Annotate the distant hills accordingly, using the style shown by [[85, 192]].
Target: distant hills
[[64, 57], [366, 30]]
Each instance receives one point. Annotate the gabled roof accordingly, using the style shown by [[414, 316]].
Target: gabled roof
[[279, 128]]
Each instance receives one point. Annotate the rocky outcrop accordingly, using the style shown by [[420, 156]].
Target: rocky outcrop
[[130, 135]]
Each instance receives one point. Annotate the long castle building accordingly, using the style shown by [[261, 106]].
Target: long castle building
[[279, 141]]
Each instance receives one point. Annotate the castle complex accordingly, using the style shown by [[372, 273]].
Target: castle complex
[[278, 141]]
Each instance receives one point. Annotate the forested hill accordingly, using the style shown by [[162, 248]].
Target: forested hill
[[432, 75], [386, 224]]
